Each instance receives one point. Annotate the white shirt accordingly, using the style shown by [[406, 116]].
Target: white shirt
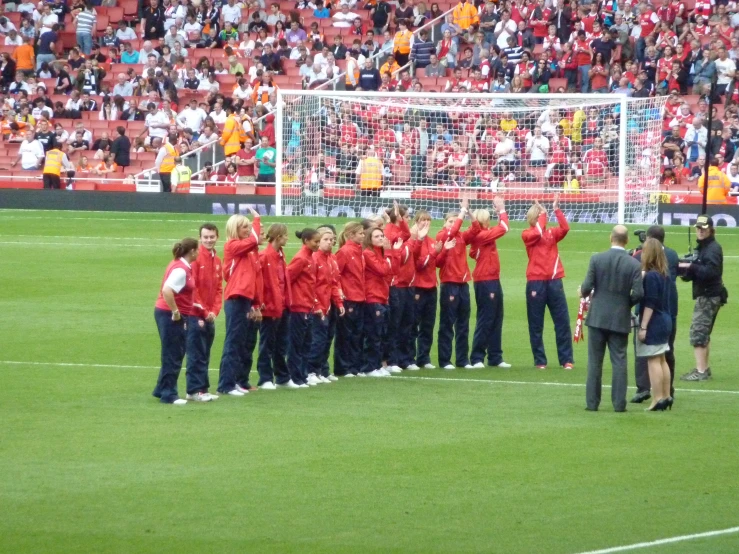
[[192, 119], [202, 139], [242, 94], [320, 59], [725, 69], [537, 147], [508, 30], [47, 22], [342, 19], [177, 278], [232, 14], [126, 34], [17, 42], [219, 118], [157, 118], [31, 154], [86, 135]]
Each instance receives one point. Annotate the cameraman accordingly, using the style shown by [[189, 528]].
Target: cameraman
[[643, 385], [709, 293]]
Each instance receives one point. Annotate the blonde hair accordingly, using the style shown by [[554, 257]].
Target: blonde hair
[[653, 257], [532, 215], [422, 215], [450, 215], [234, 223], [481, 216], [276, 230], [350, 229]]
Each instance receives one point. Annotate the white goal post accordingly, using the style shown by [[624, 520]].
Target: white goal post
[[352, 153]]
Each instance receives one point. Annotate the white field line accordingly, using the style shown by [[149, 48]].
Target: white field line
[[405, 378], [671, 540]]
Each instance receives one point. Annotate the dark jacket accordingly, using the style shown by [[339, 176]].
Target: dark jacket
[[707, 271], [369, 79], [121, 150], [672, 262]]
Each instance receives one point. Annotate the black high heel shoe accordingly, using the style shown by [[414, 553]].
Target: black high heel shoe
[[660, 406], [669, 401]]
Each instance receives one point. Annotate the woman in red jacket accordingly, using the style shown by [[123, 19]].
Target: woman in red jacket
[[208, 276], [380, 263], [544, 287], [349, 330], [301, 276], [240, 274], [329, 306], [172, 312], [273, 329], [454, 299], [488, 292], [426, 289]]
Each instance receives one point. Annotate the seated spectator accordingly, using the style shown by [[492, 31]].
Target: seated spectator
[[344, 18], [321, 11], [30, 152], [78, 143], [107, 166], [84, 166]]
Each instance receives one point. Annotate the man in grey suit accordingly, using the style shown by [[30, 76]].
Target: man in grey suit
[[615, 280]]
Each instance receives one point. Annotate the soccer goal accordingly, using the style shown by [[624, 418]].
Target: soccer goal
[[353, 153]]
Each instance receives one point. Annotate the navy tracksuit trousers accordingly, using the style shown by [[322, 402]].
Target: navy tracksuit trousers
[[299, 346], [425, 316], [489, 324], [375, 333], [273, 344], [349, 339], [199, 343], [173, 335], [539, 296], [400, 321], [247, 353], [323, 329], [232, 362], [454, 323]]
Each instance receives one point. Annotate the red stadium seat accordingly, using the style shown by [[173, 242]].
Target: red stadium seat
[[102, 23]]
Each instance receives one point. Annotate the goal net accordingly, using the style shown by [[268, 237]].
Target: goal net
[[352, 153]]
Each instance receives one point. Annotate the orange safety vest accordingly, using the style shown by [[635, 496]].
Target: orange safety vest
[[53, 165], [168, 162], [718, 186], [183, 179], [465, 15], [371, 176], [355, 73], [402, 42], [231, 136]]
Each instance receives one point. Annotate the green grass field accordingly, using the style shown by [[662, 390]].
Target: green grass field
[[503, 461]]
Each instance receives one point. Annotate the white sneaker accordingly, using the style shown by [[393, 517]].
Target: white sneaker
[[236, 393], [429, 366], [413, 367], [349, 376], [303, 386], [450, 366], [377, 373], [392, 369], [470, 366], [179, 402], [504, 365], [269, 385], [324, 379], [361, 374], [242, 389], [313, 380], [289, 385], [332, 378], [478, 365], [199, 397]]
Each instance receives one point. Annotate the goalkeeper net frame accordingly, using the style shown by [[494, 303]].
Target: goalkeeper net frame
[[351, 154]]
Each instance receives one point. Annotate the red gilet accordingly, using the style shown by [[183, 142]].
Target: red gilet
[[208, 275], [276, 295], [425, 256], [184, 298], [541, 247], [379, 265], [484, 250], [328, 289], [350, 261], [301, 274], [407, 270], [240, 269], [453, 262]]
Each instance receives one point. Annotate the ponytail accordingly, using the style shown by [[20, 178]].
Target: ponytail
[[350, 229], [402, 210], [306, 234], [276, 230], [182, 248]]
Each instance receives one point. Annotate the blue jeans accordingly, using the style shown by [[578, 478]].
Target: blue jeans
[[425, 314], [173, 336], [199, 342], [349, 339], [541, 295], [454, 323], [84, 41], [299, 346], [273, 339], [584, 78], [375, 331], [236, 310], [41, 58], [489, 325]]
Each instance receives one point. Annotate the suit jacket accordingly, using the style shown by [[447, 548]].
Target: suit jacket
[[615, 279]]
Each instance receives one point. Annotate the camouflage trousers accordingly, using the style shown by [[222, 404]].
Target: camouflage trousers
[[704, 316]]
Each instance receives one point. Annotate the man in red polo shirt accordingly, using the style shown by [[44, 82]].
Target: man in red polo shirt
[[246, 162]]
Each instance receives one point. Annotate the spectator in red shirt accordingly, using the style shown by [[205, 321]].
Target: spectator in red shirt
[[583, 56], [245, 160]]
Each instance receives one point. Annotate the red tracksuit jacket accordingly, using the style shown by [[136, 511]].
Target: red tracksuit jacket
[[276, 284], [453, 262], [208, 275], [328, 288], [301, 274], [425, 257], [407, 270], [379, 265], [541, 247], [350, 261], [484, 250], [240, 269]]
